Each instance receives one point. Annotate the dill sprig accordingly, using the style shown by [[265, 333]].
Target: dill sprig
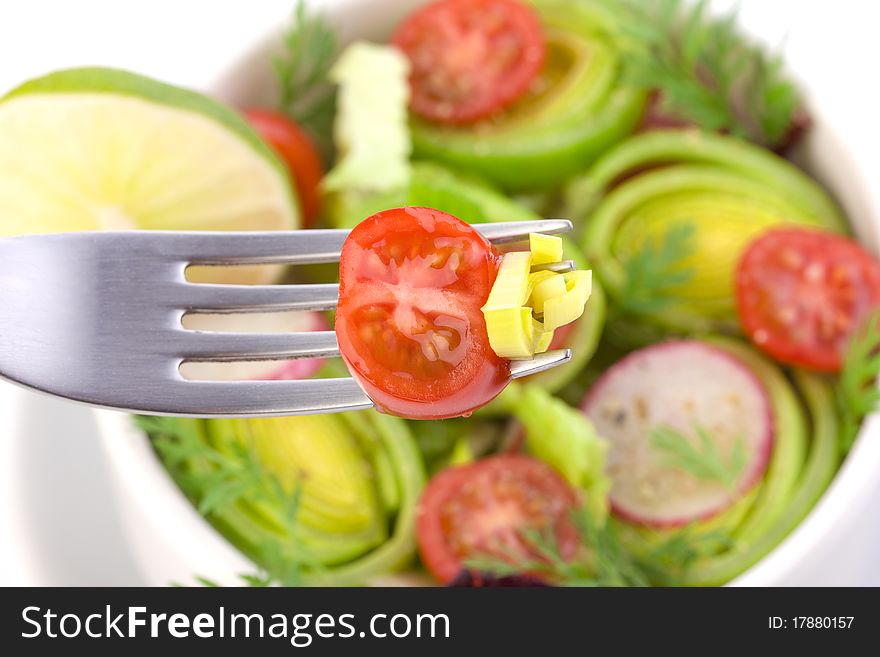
[[700, 459], [225, 478], [310, 47], [857, 391], [655, 270], [705, 70], [602, 559]]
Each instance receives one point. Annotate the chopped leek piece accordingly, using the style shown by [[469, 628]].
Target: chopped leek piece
[[543, 337], [550, 288], [511, 288], [545, 248], [511, 331], [519, 294], [538, 276], [570, 306]]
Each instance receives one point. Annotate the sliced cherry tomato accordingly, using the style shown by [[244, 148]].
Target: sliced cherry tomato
[[470, 58], [802, 293], [294, 146], [485, 507], [411, 285]]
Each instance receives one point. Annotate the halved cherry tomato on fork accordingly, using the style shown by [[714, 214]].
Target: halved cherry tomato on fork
[[802, 293], [485, 507], [294, 146], [409, 325], [470, 58]]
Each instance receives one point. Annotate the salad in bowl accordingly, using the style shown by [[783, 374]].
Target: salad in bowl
[[722, 317]]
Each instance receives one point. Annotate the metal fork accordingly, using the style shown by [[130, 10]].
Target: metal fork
[[97, 318]]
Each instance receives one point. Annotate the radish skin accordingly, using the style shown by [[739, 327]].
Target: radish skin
[[681, 385]]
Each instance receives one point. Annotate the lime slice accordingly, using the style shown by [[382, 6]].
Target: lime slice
[[104, 149]]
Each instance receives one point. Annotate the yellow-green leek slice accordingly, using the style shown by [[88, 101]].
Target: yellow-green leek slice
[[549, 288], [545, 248], [727, 190], [518, 294], [511, 331], [568, 307], [511, 287]]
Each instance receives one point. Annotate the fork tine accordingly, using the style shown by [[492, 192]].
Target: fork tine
[[208, 346], [282, 247], [516, 231], [304, 246], [304, 397], [267, 398], [212, 298], [560, 267], [258, 298], [539, 363]]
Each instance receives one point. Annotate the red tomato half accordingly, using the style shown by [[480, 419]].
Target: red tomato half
[[294, 146], [470, 58], [483, 509], [801, 293], [411, 285]]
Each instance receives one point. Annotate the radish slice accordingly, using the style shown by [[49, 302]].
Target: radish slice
[[263, 370], [682, 385]]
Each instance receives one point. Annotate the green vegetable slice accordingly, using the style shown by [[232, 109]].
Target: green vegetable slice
[[329, 497], [578, 111], [726, 191]]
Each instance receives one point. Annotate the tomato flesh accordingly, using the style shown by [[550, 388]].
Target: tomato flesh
[[470, 58], [411, 284], [484, 508], [801, 294], [298, 152]]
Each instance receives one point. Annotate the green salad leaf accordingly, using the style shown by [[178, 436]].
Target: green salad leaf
[[564, 438]]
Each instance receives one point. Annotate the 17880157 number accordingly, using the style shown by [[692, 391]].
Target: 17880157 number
[[810, 622]]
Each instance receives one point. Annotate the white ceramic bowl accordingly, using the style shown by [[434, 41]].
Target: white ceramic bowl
[[836, 544]]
